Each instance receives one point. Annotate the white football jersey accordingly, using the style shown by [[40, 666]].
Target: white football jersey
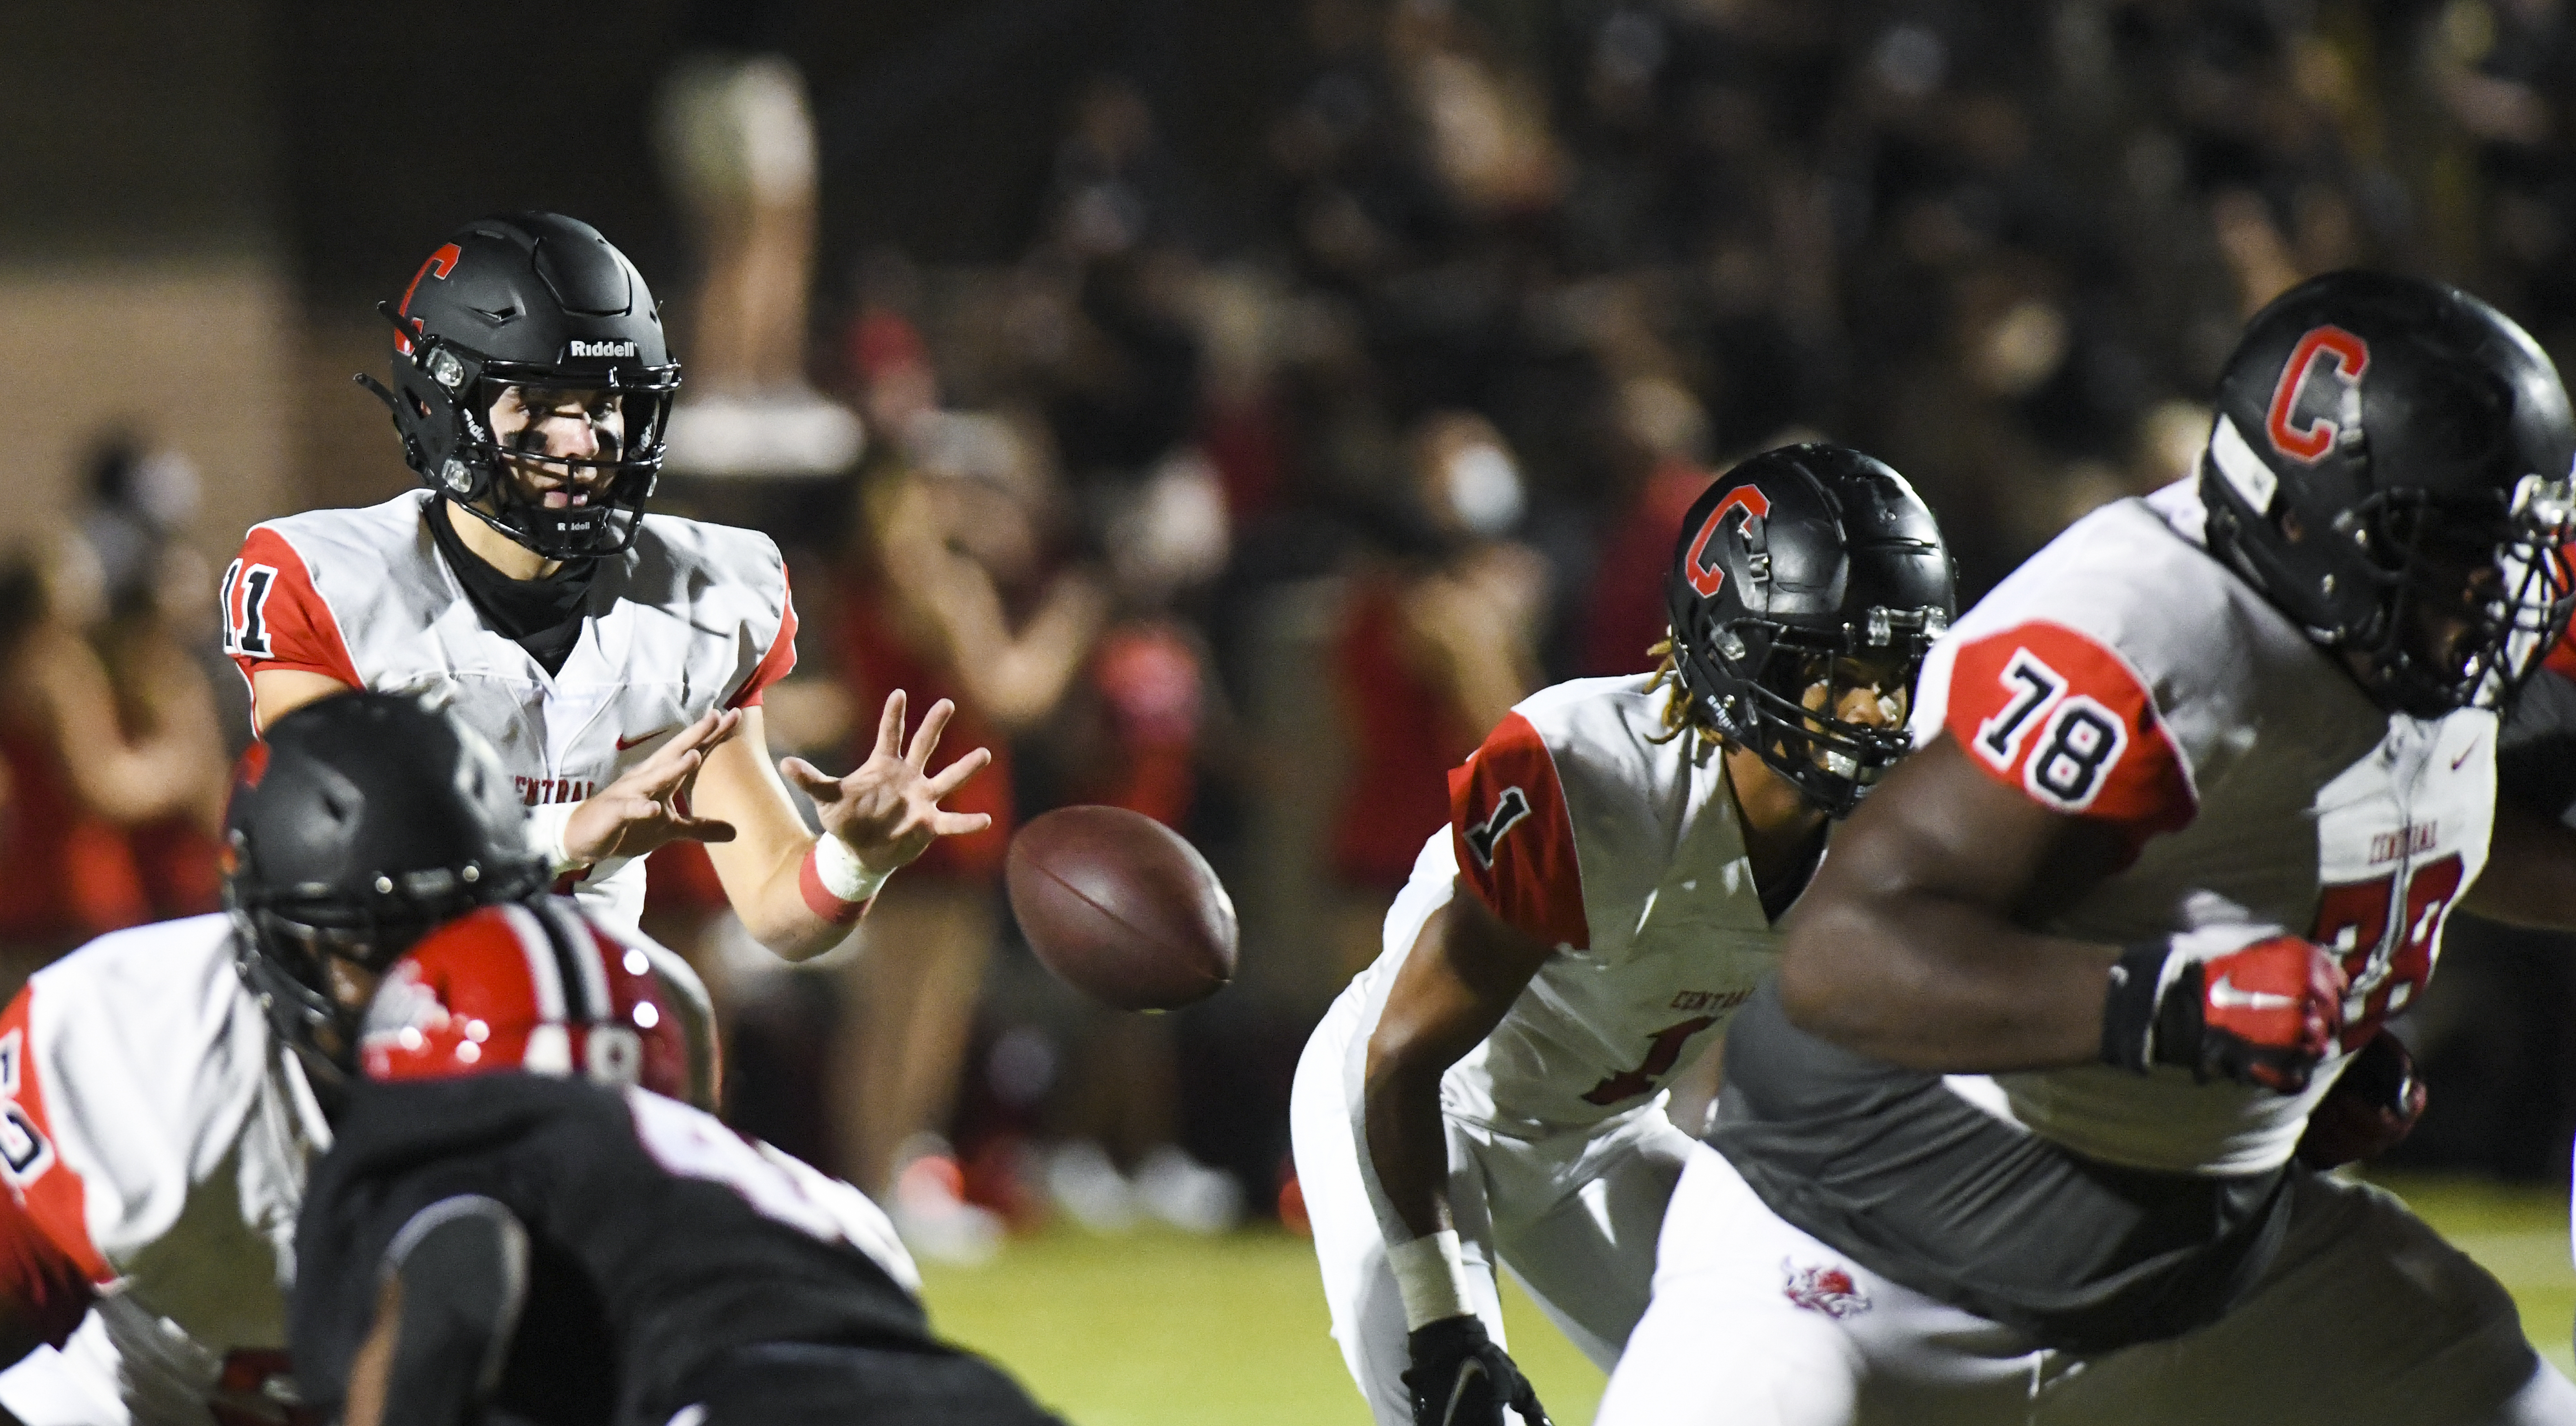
[[2123, 674], [159, 1137], [1579, 822], [694, 617]]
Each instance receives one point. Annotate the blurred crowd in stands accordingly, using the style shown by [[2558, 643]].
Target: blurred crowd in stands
[[1250, 500]]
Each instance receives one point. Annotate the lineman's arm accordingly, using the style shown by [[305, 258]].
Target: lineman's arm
[[2530, 875], [884, 813], [1911, 946], [1466, 969], [444, 1318]]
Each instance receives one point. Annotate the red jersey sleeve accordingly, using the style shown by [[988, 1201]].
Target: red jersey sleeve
[[46, 1257], [2067, 721], [1514, 841], [273, 617], [40, 1277], [780, 660]]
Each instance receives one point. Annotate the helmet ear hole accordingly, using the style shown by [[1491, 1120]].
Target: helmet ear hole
[[612, 1055]]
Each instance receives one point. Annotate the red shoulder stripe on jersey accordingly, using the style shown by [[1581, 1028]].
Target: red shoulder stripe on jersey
[[1514, 840], [2562, 655], [273, 617], [45, 1191], [781, 658], [2069, 722]]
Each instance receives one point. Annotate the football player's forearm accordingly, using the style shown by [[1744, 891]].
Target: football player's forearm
[[762, 868], [1912, 944], [782, 920], [1465, 971], [1938, 986], [1408, 1144]]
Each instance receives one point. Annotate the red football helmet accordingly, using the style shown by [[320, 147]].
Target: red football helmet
[[530, 986]]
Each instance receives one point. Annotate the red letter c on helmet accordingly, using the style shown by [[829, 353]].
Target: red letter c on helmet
[[2349, 355], [440, 264], [1706, 576]]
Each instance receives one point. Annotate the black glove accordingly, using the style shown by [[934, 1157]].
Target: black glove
[[2373, 1104], [1460, 1378], [2265, 1014]]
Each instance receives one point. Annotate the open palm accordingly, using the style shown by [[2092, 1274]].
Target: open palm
[[887, 809]]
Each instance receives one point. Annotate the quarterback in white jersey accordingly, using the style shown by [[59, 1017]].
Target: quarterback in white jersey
[[1489, 1093], [616, 659], [163, 1090], [2016, 1136]]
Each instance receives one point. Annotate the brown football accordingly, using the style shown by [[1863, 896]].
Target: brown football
[[1121, 907]]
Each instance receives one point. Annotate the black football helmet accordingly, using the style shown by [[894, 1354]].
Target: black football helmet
[[360, 822], [1795, 566], [2390, 465], [540, 301]]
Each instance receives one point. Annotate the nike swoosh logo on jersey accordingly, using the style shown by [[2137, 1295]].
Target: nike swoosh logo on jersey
[[2464, 757], [2226, 996], [624, 743]]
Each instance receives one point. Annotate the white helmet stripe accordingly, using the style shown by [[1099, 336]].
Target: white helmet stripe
[[543, 974], [582, 949]]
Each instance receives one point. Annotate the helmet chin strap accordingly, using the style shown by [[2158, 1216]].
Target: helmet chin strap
[[526, 524]]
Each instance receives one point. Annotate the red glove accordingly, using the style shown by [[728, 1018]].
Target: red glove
[[2264, 1014], [2373, 1104]]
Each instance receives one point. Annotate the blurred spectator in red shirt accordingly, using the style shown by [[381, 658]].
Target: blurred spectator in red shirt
[[1625, 613], [157, 643], [1133, 735], [76, 784], [1432, 653], [949, 592]]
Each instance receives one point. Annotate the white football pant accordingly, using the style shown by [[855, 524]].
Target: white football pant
[[2367, 1316], [1573, 1216]]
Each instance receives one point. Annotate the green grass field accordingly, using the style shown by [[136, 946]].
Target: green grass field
[[1156, 1329]]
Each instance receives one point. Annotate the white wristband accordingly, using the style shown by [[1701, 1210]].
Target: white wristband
[[546, 826], [841, 871], [1431, 1273]]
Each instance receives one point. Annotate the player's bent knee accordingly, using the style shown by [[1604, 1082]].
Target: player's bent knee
[[1705, 1368]]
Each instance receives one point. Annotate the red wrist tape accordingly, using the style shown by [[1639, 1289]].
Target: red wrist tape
[[819, 898]]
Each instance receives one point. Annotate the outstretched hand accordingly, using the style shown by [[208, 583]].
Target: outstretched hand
[[888, 809], [648, 807]]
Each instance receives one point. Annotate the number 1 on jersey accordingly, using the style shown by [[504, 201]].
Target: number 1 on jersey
[[1663, 1050]]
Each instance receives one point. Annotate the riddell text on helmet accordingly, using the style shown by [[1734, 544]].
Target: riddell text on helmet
[[579, 348]]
